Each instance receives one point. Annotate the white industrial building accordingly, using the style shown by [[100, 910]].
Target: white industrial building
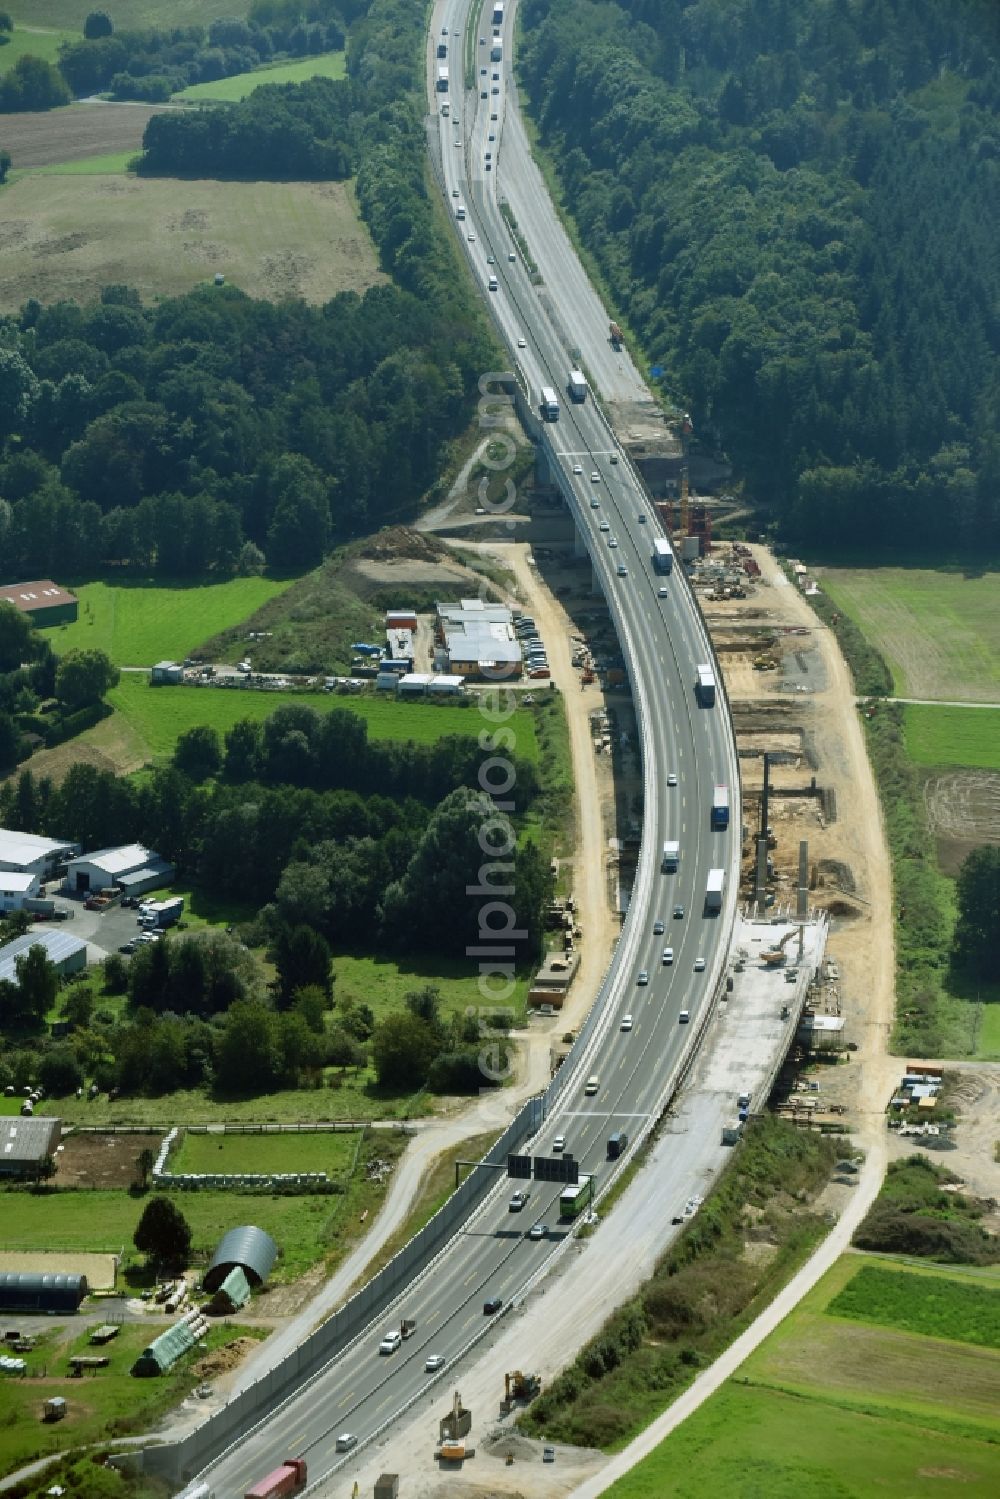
[[68, 953], [27, 853], [105, 867], [476, 639], [426, 684], [15, 889]]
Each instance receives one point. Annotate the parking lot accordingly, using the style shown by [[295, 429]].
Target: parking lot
[[103, 931]]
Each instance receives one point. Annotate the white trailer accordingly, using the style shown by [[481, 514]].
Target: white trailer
[[713, 889]]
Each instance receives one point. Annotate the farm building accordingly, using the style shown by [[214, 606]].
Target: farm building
[[26, 853], [164, 1351], [400, 619], [31, 1291], [45, 601], [166, 674], [107, 866], [25, 1143], [231, 1295], [476, 639], [15, 889], [68, 953], [247, 1248], [154, 876]]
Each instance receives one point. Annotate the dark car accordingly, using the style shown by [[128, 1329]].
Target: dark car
[[491, 1305]]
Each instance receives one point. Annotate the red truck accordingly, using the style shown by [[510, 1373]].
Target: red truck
[[616, 336], [284, 1480]]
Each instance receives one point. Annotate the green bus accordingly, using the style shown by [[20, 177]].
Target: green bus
[[575, 1200]]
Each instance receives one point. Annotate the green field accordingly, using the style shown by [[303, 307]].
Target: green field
[[751, 1443], [212, 1154], [107, 1402], [87, 166], [935, 1306], [939, 631], [69, 235], [382, 982], [127, 15], [942, 736], [230, 90], [142, 622], [306, 1228], [158, 715], [828, 1408], [348, 1097], [38, 42]]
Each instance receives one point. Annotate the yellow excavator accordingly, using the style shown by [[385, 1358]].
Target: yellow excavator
[[775, 957]]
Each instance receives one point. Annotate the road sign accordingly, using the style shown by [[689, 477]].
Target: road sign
[[558, 1168], [519, 1167]]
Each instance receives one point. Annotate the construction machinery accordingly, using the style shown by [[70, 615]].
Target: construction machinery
[[775, 957], [452, 1432], [519, 1387]]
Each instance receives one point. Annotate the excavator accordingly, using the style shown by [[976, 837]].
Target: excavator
[[518, 1386], [775, 957]]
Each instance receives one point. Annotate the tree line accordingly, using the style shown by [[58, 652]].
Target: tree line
[[41, 694], [793, 205]]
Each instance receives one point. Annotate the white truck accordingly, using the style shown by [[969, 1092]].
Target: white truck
[[713, 889], [496, 51], [671, 855], [577, 385]]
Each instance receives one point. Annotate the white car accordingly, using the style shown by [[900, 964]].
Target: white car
[[536, 1231], [454, 192], [662, 592], [595, 477], [390, 1342], [668, 955], [522, 343], [434, 1363], [605, 525], [346, 1441], [622, 570], [699, 965], [490, 260], [512, 257], [595, 503], [577, 468], [472, 237], [626, 1022], [672, 779], [684, 1017], [613, 541], [643, 978], [559, 1144]]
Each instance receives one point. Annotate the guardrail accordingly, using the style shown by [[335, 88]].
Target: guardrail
[[248, 1409]]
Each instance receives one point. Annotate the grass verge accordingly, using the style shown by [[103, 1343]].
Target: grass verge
[[214, 1154]]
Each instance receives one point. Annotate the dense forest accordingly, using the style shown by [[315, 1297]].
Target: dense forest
[[794, 203]]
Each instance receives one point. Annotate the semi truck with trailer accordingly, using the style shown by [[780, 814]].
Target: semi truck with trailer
[[549, 404], [663, 556], [705, 686], [496, 50], [287, 1479], [713, 889], [671, 855], [497, 12], [442, 82], [720, 808], [577, 385]]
